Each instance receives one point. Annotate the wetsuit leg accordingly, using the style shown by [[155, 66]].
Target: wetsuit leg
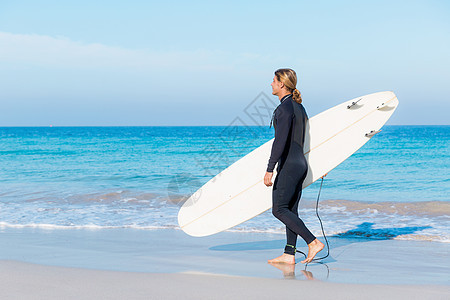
[[285, 195], [291, 236]]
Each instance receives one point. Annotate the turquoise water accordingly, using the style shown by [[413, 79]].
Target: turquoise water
[[100, 177]]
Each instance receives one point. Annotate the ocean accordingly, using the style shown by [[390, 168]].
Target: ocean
[[395, 187]]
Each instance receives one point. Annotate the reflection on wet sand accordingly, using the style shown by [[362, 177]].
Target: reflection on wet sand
[[289, 271]]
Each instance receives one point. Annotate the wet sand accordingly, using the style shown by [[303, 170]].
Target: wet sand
[[168, 264]]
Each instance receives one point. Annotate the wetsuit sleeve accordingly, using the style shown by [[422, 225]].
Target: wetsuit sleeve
[[284, 120]]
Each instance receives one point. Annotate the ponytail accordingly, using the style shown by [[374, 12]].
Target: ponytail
[[296, 96]]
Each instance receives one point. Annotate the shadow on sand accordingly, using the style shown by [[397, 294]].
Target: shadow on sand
[[364, 232]]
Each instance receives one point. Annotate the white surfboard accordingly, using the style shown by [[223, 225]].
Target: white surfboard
[[238, 193]]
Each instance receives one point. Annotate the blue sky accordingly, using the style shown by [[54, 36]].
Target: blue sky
[[113, 63]]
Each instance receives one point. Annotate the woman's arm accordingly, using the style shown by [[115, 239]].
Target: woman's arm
[[284, 121]]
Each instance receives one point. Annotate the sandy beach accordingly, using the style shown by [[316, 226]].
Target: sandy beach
[[167, 264], [28, 281]]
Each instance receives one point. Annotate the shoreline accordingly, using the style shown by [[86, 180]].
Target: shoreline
[[351, 260]]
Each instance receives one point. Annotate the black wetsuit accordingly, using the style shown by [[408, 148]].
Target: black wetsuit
[[289, 121]]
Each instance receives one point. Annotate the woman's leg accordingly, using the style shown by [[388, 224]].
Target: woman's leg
[[286, 196], [291, 236]]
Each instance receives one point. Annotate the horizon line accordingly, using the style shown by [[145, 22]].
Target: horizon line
[[51, 126]]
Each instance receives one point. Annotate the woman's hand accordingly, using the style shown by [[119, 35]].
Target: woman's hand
[[268, 178]]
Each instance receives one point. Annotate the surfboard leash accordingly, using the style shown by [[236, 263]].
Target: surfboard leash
[[321, 226]]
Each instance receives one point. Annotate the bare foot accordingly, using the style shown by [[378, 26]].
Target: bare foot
[[284, 258], [313, 248]]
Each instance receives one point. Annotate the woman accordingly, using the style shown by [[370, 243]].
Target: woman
[[287, 150]]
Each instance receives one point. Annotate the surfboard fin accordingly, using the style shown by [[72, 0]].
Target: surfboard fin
[[353, 103], [383, 105], [372, 133]]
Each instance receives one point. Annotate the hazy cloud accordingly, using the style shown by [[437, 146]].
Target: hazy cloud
[[62, 52]]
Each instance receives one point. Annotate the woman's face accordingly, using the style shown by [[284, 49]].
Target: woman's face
[[276, 86]]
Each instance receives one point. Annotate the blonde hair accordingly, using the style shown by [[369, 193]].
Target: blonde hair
[[289, 79]]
